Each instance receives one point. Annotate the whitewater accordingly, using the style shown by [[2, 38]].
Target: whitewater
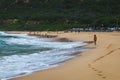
[[21, 54]]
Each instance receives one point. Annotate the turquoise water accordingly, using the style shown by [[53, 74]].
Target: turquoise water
[[21, 54]]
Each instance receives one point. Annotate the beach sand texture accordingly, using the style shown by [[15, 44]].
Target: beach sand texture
[[100, 63]]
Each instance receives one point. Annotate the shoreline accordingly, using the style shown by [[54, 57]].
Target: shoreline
[[75, 54], [56, 39], [93, 64]]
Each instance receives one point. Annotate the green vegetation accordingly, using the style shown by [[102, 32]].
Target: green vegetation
[[59, 14]]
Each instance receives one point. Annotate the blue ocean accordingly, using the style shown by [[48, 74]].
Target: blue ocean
[[21, 54]]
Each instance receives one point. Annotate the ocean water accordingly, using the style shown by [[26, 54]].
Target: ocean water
[[21, 54]]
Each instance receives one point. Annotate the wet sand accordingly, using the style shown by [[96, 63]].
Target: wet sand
[[99, 63]]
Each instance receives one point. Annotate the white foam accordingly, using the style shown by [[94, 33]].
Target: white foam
[[18, 64], [24, 39], [15, 65], [39, 42]]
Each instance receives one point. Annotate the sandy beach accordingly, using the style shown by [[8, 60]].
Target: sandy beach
[[99, 63]]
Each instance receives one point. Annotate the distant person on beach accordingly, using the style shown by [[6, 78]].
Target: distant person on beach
[[95, 39]]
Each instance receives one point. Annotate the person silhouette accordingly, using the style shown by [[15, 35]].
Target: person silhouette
[[95, 39]]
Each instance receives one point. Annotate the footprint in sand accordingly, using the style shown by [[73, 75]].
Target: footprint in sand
[[93, 69], [100, 73], [90, 66], [104, 77]]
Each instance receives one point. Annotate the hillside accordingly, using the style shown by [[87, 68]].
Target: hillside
[[88, 12]]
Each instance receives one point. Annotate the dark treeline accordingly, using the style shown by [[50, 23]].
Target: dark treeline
[[59, 14]]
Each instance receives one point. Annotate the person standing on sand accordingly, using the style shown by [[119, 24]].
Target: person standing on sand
[[95, 39]]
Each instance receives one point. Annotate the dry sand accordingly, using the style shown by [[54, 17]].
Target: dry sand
[[100, 63]]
